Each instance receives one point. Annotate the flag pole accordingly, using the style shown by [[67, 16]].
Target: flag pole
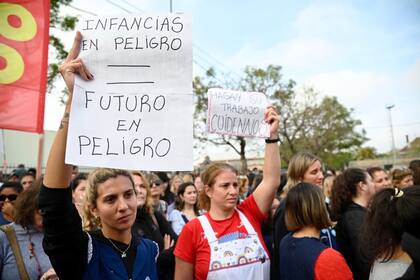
[[40, 152]]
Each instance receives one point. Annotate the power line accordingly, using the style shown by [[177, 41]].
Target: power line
[[211, 65], [205, 69], [397, 125], [133, 6], [229, 70], [81, 10], [209, 61], [118, 6]]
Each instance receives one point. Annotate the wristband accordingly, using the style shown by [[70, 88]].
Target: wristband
[[269, 141]]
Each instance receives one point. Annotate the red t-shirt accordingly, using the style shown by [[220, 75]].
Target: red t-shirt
[[193, 247], [331, 265]]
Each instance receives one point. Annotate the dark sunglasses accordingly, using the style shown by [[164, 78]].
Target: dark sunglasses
[[156, 184], [10, 197]]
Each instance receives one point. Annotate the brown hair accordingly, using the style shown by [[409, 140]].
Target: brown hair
[[209, 178], [95, 178], [398, 174], [298, 165], [374, 169], [148, 205], [179, 203], [26, 205], [305, 206], [344, 189], [392, 212], [243, 184]]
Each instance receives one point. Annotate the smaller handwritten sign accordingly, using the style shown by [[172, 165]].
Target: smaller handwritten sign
[[237, 113]]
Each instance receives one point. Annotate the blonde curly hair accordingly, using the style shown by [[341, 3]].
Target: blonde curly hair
[[95, 178]]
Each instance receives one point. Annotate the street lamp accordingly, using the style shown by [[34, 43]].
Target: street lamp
[[394, 151]]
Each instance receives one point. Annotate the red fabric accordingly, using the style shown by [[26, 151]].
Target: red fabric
[[22, 96], [192, 247], [331, 265]]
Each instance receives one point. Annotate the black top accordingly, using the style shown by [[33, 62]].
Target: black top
[[279, 231], [168, 196], [145, 227], [65, 242], [348, 239]]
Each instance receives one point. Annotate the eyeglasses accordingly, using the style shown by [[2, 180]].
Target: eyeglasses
[[156, 184], [10, 197]]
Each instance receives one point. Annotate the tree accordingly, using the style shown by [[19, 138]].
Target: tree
[[325, 128], [65, 24], [365, 153], [201, 86]]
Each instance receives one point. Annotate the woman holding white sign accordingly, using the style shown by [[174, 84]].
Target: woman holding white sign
[[226, 242], [111, 252]]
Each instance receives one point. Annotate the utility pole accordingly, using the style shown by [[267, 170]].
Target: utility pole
[[394, 151], [170, 6]]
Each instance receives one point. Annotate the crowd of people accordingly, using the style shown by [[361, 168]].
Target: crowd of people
[[306, 223]]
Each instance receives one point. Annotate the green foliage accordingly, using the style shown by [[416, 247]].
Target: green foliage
[[324, 127], [365, 153], [65, 23]]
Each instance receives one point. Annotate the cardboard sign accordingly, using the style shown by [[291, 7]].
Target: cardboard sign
[[137, 112], [237, 113]]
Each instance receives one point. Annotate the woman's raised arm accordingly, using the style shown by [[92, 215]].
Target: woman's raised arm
[[264, 194], [57, 173]]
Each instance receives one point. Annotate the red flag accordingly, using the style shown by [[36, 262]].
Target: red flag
[[24, 38]]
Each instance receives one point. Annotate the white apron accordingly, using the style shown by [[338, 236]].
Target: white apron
[[239, 258]]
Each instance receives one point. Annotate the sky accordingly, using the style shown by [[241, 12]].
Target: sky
[[367, 53]]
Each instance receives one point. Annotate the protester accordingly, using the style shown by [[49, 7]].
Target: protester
[[175, 182], [226, 242], [267, 225], [351, 194], [156, 192], [187, 178], [303, 167], [243, 187], [327, 189], [149, 223], [198, 184], [302, 255], [112, 252], [380, 178], [26, 180], [186, 207], [414, 165], [78, 187], [166, 195], [402, 177], [21, 253], [153, 225], [9, 192], [410, 243], [392, 212]]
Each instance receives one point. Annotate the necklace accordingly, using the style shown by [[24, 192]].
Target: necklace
[[123, 253]]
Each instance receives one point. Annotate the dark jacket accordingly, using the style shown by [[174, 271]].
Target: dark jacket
[[67, 245], [279, 231], [146, 228], [348, 230], [105, 263]]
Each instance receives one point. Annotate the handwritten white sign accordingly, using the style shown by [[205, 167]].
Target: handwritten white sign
[[237, 113], [137, 112]]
